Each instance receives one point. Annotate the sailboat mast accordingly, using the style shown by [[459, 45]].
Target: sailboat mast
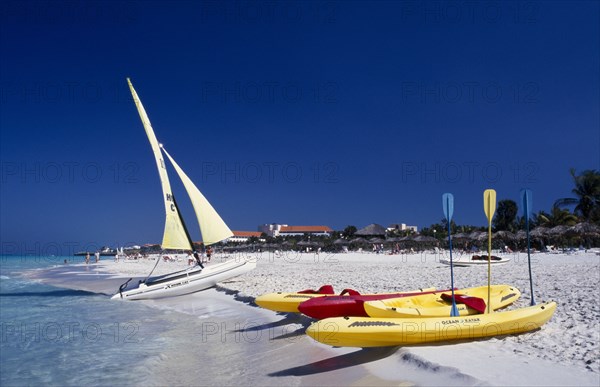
[[185, 229], [174, 235]]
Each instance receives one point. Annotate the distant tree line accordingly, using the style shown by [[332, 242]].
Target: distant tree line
[[585, 204]]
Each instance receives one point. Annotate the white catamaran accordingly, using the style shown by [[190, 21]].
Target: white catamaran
[[176, 235]]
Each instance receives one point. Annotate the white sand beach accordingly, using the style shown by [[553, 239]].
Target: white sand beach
[[270, 348]]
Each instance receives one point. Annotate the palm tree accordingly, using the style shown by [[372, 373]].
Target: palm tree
[[349, 231], [556, 217], [506, 214], [587, 190]]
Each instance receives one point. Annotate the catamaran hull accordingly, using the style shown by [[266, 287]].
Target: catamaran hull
[[190, 282], [459, 262]]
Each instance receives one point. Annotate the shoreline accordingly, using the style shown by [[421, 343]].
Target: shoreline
[[565, 351]]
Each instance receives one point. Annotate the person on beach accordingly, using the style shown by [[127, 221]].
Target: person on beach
[[87, 258], [97, 255], [198, 260], [209, 252], [190, 258]]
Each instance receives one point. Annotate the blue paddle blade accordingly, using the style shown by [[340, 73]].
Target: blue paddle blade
[[448, 204], [454, 311], [526, 202]]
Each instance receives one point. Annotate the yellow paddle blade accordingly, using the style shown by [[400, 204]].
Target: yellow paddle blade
[[489, 204]]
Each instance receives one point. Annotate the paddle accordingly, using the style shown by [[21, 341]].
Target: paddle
[[472, 302], [526, 202], [489, 206], [448, 205]]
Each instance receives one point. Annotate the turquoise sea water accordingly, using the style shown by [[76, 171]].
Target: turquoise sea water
[[64, 337], [54, 336]]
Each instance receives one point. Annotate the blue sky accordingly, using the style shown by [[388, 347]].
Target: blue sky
[[332, 113]]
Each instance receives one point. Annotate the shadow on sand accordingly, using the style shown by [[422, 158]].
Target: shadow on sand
[[289, 318], [362, 356]]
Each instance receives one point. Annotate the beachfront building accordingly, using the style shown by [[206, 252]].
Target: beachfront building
[[243, 236], [401, 227], [274, 230]]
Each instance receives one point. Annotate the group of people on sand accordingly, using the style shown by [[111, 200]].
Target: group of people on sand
[[194, 257], [96, 256], [398, 250], [378, 249]]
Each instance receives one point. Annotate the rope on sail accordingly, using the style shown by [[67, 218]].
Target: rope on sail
[[152, 271]]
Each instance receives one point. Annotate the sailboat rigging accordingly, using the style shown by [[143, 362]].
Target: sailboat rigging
[[176, 235]]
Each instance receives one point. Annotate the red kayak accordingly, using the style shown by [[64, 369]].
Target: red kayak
[[349, 305]]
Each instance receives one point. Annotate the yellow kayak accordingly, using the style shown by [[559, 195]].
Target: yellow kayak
[[381, 332], [439, 304], [288, 302]]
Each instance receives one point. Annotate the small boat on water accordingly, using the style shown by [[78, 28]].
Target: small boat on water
[[177, 237], [476, 260]]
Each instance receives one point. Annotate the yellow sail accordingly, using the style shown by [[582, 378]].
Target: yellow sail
[[175, 235], [212, 227]]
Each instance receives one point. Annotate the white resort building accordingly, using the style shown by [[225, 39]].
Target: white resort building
[[275, 229]]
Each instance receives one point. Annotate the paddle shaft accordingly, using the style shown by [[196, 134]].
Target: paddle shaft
[[526, 208], [489, 204], [529, 262], [454, 310], [489, 265]]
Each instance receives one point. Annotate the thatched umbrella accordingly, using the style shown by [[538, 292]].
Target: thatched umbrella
[[539, 232], [309, 244], [557, 234], [371, 230], [341, 241], [478, 236], [505, 236], [393, 240], [402, 241], [585, 228], [584, 232], [521, 235], [558, 230], [424, 239], [376, 240], [460, 235], [359, 240]]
